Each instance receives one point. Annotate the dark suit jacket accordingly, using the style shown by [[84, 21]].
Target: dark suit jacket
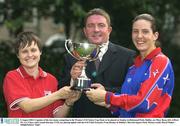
[[111, 74]]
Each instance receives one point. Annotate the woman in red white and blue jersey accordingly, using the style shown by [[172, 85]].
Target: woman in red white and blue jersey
[[149, 83]]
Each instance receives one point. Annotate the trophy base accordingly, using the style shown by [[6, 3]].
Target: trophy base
[[81, 84]]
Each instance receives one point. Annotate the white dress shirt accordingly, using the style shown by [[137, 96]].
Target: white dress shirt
[[103, 50]]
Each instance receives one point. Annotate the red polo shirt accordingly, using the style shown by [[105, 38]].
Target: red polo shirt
[[18, 85]]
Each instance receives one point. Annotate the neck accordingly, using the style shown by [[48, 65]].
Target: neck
[[145, 53], [32, 71]]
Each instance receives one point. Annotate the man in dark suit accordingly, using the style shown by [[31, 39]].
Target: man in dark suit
[[114, 62]]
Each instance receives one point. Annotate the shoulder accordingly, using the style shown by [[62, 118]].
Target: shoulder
[[121, 49], [13, 73], [161, 62], [12, 79], [50, 79], [50, 76], [160, 58]]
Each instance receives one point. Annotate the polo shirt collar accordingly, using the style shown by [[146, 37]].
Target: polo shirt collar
[[138, 60], [24, 74]]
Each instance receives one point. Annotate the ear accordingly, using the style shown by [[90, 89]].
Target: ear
[[110, 29], [17, 56], [84, 30], [156, 35]]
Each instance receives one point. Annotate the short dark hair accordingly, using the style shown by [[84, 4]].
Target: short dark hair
[[24, 39], [98, 11]]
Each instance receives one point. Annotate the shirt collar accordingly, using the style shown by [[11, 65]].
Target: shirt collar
[[138, 60], [24, 74], [103, 49], [105, 44]]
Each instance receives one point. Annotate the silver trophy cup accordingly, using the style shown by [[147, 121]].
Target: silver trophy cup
[[82, 51]]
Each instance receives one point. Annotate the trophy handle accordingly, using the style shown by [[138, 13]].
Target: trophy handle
[[66, 43]]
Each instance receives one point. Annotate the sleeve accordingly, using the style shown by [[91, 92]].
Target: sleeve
[[59, 103], [14, 90], [154, 91]]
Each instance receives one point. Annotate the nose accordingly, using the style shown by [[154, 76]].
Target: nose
[[96, 28], [139, 35], [29, 53]]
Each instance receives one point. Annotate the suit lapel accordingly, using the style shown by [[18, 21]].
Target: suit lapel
[[91, 69], [107, 58]]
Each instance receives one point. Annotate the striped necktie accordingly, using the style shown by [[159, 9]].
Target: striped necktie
[[97, 62]]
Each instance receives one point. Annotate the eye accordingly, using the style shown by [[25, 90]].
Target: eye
[[33, 50], [145, 31], [90, 25], [24, 51], [134, 31], [101, 25]]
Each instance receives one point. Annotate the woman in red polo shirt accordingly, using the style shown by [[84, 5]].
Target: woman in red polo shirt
[[31, 92]]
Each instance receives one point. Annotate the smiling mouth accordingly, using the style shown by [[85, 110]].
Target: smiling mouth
[[140, 42], [96, 35], [29, 60]]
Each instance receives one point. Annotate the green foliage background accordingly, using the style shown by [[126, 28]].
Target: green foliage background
[[122, 12]]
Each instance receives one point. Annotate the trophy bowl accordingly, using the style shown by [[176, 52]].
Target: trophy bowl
[[82, 51]]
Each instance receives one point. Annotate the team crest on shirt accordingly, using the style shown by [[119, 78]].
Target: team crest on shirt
[[47, 93]]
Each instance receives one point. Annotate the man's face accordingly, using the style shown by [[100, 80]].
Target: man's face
[[97, 30]]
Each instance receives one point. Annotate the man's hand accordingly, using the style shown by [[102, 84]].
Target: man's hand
[[77, 69]]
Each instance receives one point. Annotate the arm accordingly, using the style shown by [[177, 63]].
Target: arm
[[69, 102], [30, 105], [151, 91], [97, 94], [18, 94], [63, 111], [149, 94]]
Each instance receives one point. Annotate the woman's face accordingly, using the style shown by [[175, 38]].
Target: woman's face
[[29, 56], [143, 36]]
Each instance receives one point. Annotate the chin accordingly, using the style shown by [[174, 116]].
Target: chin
[[97, 42], [141, 48], [31, 65]]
